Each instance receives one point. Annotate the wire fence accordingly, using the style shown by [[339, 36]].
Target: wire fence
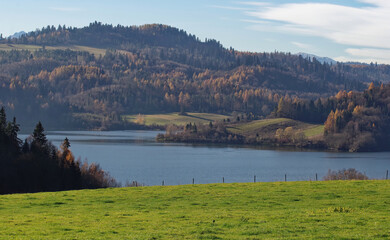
[[284, 178]]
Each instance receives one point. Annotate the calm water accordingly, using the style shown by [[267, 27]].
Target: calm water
[[134, 155]]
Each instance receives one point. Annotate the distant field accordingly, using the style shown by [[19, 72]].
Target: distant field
[[292, 210], [245, 127], [175, 118], [271, 125], [316, 130], [95, 51]]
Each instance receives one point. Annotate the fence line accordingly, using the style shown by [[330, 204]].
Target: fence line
[[163, 183]]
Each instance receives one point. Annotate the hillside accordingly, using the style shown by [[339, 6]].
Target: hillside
[[292, 210], [174, 118], [112, 71], [354, 121], [270, 126], [273, 132], [320, 59], [95, 51]]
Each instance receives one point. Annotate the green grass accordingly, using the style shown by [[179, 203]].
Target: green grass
[[269, 127], [316, 130], [88, 116], [242, 128], [292, 210], [95, 51], [175, 118]]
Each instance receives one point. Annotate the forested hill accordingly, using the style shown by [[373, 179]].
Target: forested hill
[[108, 36], [103, 71], [156, 41]]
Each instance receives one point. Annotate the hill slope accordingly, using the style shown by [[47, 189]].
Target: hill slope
[[115, 70], [292, 210]]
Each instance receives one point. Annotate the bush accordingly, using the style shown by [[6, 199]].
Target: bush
[[345, 174], [92, 176]]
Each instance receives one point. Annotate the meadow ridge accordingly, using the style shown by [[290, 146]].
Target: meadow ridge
[[268, 126], [278, 210], [245, 128], [177, 119], [96, 51]]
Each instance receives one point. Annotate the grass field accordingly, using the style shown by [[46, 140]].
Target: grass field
[[269, 126], [291, 210], [175, 118], [248, 127], [316, 130], [95, 51]]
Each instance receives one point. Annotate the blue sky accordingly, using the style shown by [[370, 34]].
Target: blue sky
[[355, 30]]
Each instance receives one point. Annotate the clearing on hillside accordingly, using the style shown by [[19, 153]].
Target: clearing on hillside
[[268, 127], [91, 50], [176, 118]]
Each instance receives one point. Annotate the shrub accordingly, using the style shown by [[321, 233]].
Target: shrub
[[92, 176], [345, 174]]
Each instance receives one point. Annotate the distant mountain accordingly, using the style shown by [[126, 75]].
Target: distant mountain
[[320, 59], [17, 34]]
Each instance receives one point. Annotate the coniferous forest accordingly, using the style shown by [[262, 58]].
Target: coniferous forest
[[36, 165]]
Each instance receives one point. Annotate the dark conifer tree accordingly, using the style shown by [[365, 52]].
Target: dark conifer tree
[[3, 120], [39, 135]]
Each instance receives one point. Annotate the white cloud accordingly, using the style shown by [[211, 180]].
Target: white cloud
[[255, 21], [361, 60], [303, 46], [365, 27], [367, 55]]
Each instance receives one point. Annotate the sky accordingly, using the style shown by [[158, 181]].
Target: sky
[[345, 30]]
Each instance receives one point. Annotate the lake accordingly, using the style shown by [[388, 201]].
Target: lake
[[136, 156]]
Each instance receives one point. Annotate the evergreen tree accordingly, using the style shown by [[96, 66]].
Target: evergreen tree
[[65, 145], [25, 147], [3, 120], [39, 135], [12, 130]]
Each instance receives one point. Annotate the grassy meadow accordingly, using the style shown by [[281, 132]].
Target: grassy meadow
[[176, 118], [250, 127], [91, 50], [269, 126], [242, 128], [280, 210]]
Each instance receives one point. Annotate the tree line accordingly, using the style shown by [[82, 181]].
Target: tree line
[[354, 121], [36, 165]]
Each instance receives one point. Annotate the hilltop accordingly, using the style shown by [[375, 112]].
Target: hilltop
[[320, 59]]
